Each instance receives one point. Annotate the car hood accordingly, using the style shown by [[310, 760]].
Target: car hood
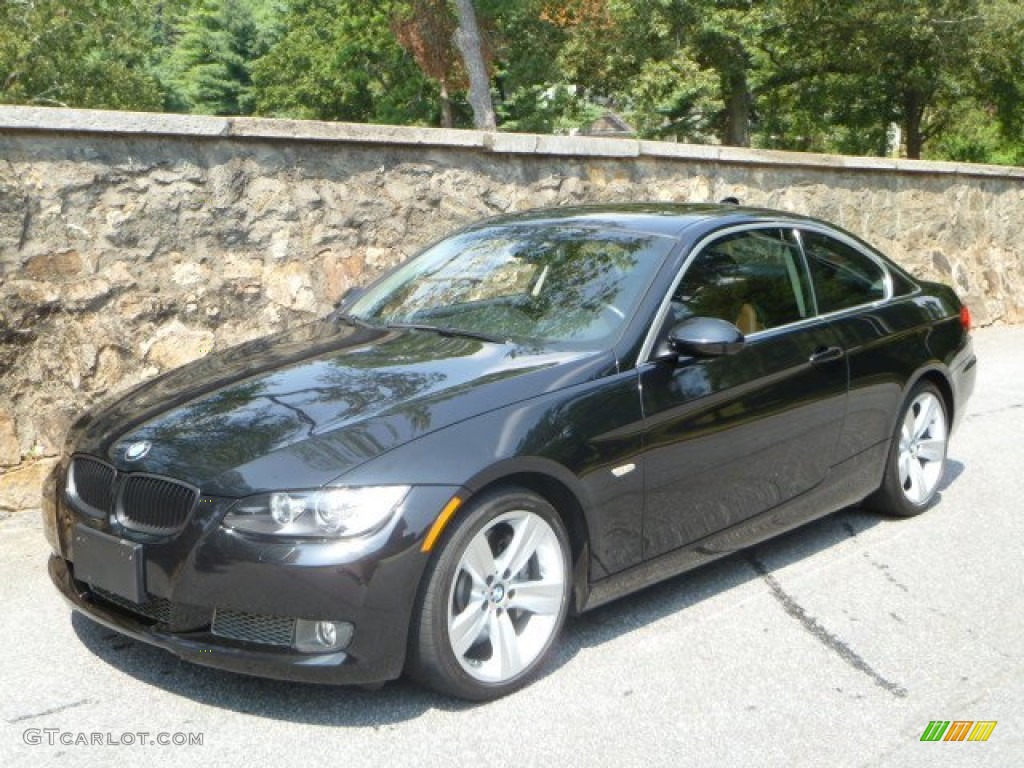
[[301, 408]]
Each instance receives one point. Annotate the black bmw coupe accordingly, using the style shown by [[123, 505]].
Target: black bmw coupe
[[532, 417]]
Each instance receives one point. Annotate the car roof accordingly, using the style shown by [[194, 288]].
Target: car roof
[[655, 218]]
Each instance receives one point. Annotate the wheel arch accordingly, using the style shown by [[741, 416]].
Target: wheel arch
[[886, 498], [559, 487], [941, 380]]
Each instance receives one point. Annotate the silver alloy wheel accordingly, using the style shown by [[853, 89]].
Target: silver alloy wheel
[[922, 451], [506, 597]]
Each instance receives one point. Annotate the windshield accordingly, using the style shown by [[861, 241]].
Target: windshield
[[522, 281]]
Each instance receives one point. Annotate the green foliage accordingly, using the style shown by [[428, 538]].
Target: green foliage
[[977, 135], [946, 77], [211, 47], [674, 98], [555, 109], [998, 72], [900, 63], [339, 60], [532, 94], [89, 53]]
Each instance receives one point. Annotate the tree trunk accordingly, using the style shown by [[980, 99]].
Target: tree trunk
[[737, 111], [912, 117], [447, 121], [470, 44]]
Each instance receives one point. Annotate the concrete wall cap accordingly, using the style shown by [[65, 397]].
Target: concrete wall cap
[[54, 120]]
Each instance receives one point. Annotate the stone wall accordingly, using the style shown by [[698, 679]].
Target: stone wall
[[133, 243]]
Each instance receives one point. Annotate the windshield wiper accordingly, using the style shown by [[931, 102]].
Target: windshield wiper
[[446, 331], [353, 320]]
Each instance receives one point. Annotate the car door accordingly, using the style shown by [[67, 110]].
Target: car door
[[882, 342], [729, 437]]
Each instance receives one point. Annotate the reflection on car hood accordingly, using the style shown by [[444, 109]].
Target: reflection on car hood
[[309, 404]]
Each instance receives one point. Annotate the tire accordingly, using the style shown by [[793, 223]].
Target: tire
[[503, 571], [917, 456]]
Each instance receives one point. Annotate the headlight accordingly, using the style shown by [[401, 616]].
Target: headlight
[[341, 512]]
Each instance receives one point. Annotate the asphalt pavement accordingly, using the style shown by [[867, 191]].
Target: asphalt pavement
[[835, 645]]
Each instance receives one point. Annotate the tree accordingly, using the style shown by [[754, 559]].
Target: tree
[[726, 38], [339, 60], [532, 92], [426, 29], [90, 53], [684, 68], [471, 45], [906, 61], [208, 68], [998, 73], [788, 74]]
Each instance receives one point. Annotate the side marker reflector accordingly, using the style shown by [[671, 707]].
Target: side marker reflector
[[442, 520]]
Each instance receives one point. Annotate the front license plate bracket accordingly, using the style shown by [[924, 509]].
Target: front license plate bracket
[[109, 563]]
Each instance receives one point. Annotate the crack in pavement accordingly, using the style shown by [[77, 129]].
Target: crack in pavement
[[830, 641], [979, 414], [884, 568], [54, 710]]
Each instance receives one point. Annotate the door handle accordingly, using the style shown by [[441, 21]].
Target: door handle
[[826, 355]]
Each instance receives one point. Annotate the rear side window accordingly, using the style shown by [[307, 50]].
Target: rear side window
[[753, 279], [843, 276]]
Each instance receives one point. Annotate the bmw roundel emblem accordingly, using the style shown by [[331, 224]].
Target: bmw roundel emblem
[[137, 450]]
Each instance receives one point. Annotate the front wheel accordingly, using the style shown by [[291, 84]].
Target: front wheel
[[917, 458], [494, 600]]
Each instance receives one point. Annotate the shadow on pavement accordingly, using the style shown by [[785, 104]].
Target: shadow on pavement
[[689, 589], [403, 700], [296, 702], [953, 471]]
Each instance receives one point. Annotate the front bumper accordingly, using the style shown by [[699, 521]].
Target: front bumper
[[370, 583]]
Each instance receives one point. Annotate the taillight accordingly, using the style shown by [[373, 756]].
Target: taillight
[[965, 318]]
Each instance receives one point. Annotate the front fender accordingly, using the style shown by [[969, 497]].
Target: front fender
[[575, 437]]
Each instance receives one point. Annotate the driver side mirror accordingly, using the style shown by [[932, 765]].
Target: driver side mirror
[[705, 337]]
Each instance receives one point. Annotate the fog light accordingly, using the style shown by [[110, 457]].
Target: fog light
[[327, 633], [322, 636]]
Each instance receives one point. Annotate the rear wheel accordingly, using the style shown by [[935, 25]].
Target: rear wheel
[[917, 458], [495, 598]]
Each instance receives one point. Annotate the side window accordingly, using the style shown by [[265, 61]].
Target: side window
[[843, 276], [754, 279]]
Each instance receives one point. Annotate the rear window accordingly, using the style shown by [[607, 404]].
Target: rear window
[[843, 276]]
